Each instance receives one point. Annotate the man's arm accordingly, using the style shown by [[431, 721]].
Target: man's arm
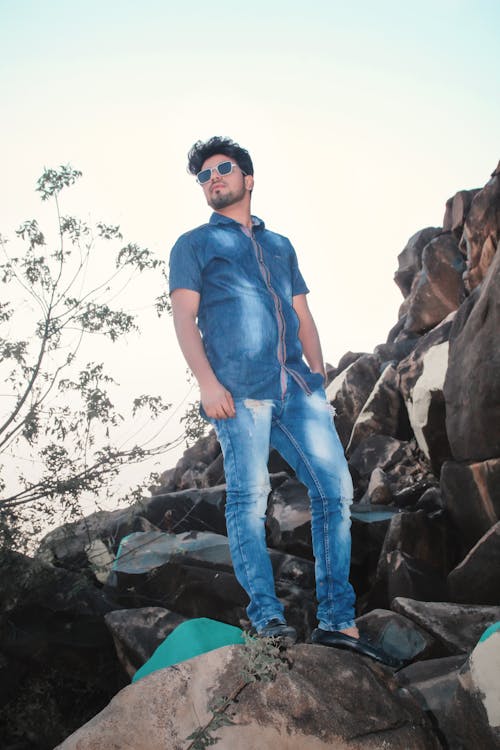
[[308, 335], [216, 400]]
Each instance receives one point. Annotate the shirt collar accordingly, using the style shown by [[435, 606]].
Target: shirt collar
[[218, 218]]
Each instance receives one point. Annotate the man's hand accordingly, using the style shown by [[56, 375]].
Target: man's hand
[[217, 401]]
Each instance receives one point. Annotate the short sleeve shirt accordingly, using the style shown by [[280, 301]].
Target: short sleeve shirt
[[246, 280]]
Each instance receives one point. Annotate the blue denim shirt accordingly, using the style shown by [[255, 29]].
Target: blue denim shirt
[[246, 280]]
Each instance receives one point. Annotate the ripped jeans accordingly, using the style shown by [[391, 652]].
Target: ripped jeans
[[301, 429]]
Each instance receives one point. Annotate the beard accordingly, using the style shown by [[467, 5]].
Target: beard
[[223, 200]]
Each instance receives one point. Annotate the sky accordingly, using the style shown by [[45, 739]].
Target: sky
[[361, 118]]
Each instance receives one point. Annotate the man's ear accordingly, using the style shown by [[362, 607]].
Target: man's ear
[[249, 181]]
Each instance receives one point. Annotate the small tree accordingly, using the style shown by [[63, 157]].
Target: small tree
[[54, 409]]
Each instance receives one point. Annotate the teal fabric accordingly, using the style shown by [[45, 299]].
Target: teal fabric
[[190, 638], [489, 631]]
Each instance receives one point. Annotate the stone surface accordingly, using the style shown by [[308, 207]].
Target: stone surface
[[458, 627], [471, 495], [379, 488], [137, 633], [472, 385], [398, 636], [380, 451], [410, 258], [349, 391], [456, 212], [476, 580], [363, 710], [381, 412], [433, 683], [421, 379], [473, 717], [482, 230], [406, 576], [438, 288]]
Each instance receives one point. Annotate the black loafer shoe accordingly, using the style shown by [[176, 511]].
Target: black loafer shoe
[[277, 629], [340, 640]]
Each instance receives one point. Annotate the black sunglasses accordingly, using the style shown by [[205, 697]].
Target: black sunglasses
[[225, 167]]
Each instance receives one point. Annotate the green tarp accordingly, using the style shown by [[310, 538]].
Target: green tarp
[[190, 638]]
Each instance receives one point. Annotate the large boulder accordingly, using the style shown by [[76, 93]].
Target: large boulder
[[472, 384], [471, 495], [349, 391], [410, 258], [438, 289], [325, 699], [482, 230], [473, 716], [477, 579], [457, 209], [421, 378], [457, 627]]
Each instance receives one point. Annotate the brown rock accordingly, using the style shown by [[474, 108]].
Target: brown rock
[[472, 384], [456, 212], [327, 699], [137, 633], [421, 379], [398, 636], [482, 230], [349, 391], [381, 412], [410, 258], [438, 289], [473, 718], [457, 626], [477, 579], [471, 495]]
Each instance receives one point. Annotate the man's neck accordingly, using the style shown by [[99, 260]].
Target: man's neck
[[241, 214]]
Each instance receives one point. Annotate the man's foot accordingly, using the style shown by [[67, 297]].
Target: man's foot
[[339, 639], [280, 630]]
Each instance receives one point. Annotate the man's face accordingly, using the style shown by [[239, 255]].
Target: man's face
[[223, 191]]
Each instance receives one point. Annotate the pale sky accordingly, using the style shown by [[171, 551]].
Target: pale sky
[[362, 118]]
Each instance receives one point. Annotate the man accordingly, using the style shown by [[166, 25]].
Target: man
[[243, 324]]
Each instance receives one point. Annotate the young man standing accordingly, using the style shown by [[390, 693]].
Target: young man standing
[[244, 326]]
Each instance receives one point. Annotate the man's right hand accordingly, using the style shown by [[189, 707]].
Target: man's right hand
[[217, 401]]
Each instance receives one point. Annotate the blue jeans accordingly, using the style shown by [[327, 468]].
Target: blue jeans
[[301, 429]]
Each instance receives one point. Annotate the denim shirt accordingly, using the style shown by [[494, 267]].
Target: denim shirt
[[246, 280]]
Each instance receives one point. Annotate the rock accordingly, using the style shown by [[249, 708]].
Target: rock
[[409, 577], [458, 627], [398, 636], [471, 495], [410, 258], [368, 530], [379, 451], [482, 230], [137, 633], [421, 379], [456, 212], [363, 710], [433, 683], [473, 717], [428, 539], [379, 488], [347, 359], [437, 289], [472, 384], [431, 500], [477, 579], [349, 391], [382, 411], [192, 469]]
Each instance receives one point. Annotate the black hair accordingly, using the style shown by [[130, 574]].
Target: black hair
[[201, 151]]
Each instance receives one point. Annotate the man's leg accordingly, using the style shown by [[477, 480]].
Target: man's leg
[[245, 444], [305, 435]]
